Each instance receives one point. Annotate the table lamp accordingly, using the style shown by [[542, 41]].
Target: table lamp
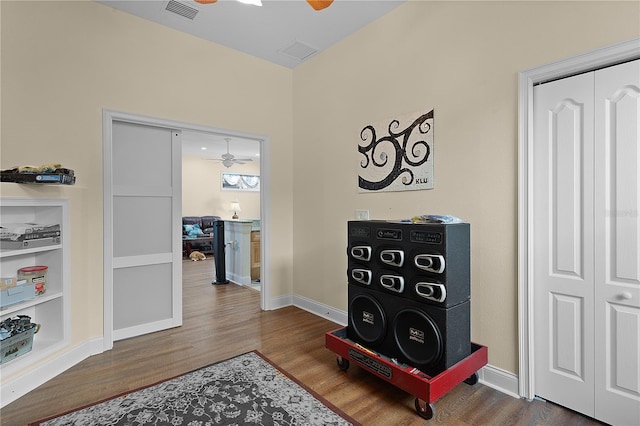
[[235, 206]]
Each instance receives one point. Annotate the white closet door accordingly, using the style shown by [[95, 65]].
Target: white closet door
[[617, 242], [146, 252], [587, 243], [563, 242]]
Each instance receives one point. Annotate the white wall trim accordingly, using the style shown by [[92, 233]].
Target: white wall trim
[[494, 377], [108, 117], [46, 371], [499, 379], [321, 310], [151, 327], [238, 279], [610, 55], [280, 302], [489, 375], [265, 223]]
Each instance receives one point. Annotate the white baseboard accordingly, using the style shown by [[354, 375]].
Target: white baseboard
[[321, 310], [499, 380], [239, 279], [37, 376], [280, 302], [489, 375], [139, 330]]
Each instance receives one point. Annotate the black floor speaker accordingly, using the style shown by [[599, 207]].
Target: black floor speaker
[[427, 262], [430, 338], [218, 253]]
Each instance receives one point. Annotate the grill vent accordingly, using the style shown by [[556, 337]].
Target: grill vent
[[299, 50], [182, 9]]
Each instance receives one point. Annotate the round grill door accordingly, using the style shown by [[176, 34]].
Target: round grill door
[[417, 337], [367, 319]]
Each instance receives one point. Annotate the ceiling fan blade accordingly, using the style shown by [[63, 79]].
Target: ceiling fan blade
[[319, 4], [316, 4], [229, 160]]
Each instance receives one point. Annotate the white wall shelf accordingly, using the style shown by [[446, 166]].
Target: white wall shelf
[[21, 252], [49, 309]]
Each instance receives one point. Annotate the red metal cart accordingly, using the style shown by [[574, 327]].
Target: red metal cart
[[425, 388]]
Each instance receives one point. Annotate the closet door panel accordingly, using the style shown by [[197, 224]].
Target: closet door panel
[[617, 266]]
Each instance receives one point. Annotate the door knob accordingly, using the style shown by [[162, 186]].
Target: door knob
[[626, 295]]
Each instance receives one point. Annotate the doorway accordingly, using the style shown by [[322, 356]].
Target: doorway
[[576, 266], [110, 118], [587, 242], [221, 178]]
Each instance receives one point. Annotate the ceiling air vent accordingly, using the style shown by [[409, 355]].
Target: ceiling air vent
[[182, 9], [299, 50]]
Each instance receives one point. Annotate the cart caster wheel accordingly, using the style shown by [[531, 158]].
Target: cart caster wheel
[[343, 363], [424, 409], [472, 379]]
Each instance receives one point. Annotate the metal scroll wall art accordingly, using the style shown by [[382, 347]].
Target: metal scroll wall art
[[401, 159]]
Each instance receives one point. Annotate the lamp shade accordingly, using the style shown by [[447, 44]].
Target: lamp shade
[[235, 207]]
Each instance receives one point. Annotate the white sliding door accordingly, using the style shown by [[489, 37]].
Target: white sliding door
[[142, 238]]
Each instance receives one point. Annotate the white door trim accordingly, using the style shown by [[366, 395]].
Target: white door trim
[[108, 117], [600, 58]]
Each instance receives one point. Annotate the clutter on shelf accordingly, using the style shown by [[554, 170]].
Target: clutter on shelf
[[46, 173], [15, 236], [436, 218], [16, 337]]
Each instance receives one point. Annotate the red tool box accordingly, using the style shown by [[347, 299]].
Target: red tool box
[[425, 388]]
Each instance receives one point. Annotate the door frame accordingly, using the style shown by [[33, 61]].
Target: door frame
[[600, 58], [108, 117]]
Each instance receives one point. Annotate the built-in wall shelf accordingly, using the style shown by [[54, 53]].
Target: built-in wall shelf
[[51, 308]]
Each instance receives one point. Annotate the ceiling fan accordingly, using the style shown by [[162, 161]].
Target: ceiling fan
[[316, 4], [229, 159]]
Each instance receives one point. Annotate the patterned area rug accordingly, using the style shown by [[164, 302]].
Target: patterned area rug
[[245, 390]]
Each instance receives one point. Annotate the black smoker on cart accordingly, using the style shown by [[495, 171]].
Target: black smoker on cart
[[409, 291]]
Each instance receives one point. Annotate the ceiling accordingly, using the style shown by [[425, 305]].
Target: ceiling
[[284, 32], [279, 31], [212, 146]]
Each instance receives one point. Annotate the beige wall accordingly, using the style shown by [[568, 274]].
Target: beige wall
[[201, 193], [462, 59], [63, 62]]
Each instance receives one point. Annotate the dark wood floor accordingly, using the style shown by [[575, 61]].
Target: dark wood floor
[[226, 320]]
